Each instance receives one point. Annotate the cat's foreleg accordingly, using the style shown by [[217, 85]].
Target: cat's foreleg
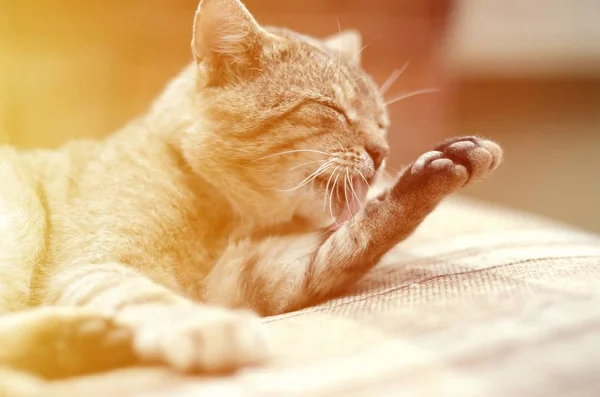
[[284, 273], [22, 231], [395, 214], [105, 316], [14, 383], [56, 342], [164, 327]]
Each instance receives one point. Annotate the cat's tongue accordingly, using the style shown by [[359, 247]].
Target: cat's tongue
[[354, 202]]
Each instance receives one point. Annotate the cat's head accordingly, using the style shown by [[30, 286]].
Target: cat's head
[[284, 124]]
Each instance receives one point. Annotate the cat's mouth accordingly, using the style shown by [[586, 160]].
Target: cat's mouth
[[351, 201]]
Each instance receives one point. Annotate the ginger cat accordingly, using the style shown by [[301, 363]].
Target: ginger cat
[[243, 190]]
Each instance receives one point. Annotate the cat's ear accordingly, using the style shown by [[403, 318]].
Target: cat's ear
[[225, 32], [348, 43]]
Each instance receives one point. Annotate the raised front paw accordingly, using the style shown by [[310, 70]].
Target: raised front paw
[[478, 155], [456, 162], [199, 338], [393, 215]]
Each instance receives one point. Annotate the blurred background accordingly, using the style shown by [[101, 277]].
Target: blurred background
[[523, 72]]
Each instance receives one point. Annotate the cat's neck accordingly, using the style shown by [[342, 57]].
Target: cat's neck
[[173, 111], [176, 112]]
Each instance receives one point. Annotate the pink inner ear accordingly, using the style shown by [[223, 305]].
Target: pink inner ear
[[354, 204], [348, 43], [223, 27]]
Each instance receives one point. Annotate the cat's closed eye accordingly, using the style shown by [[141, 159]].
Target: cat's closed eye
[[338, 110]]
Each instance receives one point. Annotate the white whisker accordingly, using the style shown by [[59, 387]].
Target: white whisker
[[392, 78], [327, 188], [311, 177], [358, 54], [339, 26], [307, 163], [294, 151], [345, 193], [337, 195], [412, 94], [363, 178], [354, 191], [331, 194], [366, 164]]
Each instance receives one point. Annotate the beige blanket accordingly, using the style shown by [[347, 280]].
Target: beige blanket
[[479, 302]]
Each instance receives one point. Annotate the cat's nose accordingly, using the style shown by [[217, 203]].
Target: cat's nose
[[378, 153]]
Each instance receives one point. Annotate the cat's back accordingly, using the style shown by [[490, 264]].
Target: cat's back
[[22, 211], [32, 182], [50, 174], [42, 165], [19, 173]]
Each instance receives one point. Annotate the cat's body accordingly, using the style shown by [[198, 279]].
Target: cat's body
[[91, 211], [130, 199], [245, 186]]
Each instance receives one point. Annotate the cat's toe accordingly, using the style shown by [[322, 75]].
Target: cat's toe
[[495, 150], [205, 340], [424, 160], [480, 156], [56, 342], [437, 169], [224, 344]]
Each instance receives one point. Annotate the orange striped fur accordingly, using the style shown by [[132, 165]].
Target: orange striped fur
[[160, 243]]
